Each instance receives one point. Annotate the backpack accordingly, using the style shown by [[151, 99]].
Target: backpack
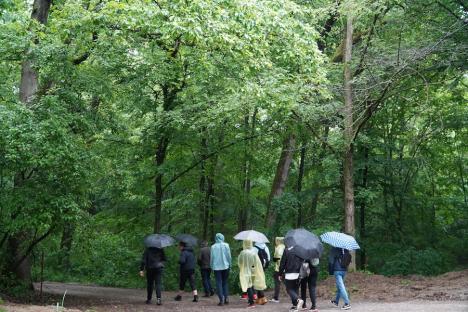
[[263, 257], [304, 271], [345, 258]]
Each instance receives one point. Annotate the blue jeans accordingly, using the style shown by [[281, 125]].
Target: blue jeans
[[205, 273], [340, 286], [222, 284]]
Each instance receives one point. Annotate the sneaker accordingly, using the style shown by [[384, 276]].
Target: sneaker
[[313, 310], [293, 309], [300, 303], [178, 298], [255, 297], [244, 297], [304, 306], [334, 303], [274, 300], [158, 301], [346, 307], [148, 301], [195, 298], [251, 306], [212, 292]]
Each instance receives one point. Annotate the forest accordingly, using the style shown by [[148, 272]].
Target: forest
[[122, 118]]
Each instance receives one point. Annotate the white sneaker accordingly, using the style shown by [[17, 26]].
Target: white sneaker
[[274, 300], [300, 302], [346, 307]]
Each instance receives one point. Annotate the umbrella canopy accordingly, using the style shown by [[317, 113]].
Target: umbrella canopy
[[307, 245], [158, 240], [187, 239], [340, 240], [252, 235]]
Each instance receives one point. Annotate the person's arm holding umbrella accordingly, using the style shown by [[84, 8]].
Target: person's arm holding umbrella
[[282, 266], [143, 263]]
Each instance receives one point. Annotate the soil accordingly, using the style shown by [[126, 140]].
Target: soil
[[448, 292]]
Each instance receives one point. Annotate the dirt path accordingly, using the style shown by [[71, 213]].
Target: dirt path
[[369, 293]]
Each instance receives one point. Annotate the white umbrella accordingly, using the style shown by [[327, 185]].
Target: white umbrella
[[253, 236]]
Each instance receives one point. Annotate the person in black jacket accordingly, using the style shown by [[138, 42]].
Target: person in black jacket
[[187, 271], [204, 261], [290, 266], [153, 261]]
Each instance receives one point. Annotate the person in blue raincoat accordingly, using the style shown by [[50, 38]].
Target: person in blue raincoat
[[221, 264]]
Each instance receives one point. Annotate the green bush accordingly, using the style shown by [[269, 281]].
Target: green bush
[[411, 261]]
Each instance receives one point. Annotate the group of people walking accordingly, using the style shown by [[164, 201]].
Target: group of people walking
[[296, 273]]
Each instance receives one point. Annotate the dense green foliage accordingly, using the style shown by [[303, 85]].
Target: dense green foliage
[[171, 116]]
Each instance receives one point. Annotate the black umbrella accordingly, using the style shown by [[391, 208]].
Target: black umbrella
[[158, 240], [187, 239], [306, 244]]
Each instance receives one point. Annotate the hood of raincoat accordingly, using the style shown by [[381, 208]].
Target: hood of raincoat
[[250, 268], [247, 244], [219, 238], [279, 241]]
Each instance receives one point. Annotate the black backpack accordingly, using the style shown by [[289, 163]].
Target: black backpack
[[262, 254], [345, 258]]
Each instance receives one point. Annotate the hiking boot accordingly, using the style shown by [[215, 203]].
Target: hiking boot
[[178, 298], [195, 298], [346, 307], [334, 303], [158, 301], [148, 301]]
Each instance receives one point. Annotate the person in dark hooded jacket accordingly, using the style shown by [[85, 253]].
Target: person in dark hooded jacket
[[153, 261], [187, 271], [290, 266], [204, 261]]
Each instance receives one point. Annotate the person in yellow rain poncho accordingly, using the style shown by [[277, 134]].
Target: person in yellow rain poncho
[[279, 249], [251, 273]]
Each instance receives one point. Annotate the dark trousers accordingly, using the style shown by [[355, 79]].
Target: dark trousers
[[311, 282], [222, 284], [206, 279], [292, 286], [187, 275], [153, 276], [250, 295], [276, 276]]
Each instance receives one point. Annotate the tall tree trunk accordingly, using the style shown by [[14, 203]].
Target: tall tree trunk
[[362, 232], [203, 204], [281, 177], [66, 244], [348, 182], [21, 262], [299, 184], [161, 150]]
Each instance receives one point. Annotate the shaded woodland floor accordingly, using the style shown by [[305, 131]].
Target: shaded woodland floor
[[448, 292]]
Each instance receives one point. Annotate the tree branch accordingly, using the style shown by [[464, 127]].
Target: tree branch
[[33, 244], [207, 156]]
